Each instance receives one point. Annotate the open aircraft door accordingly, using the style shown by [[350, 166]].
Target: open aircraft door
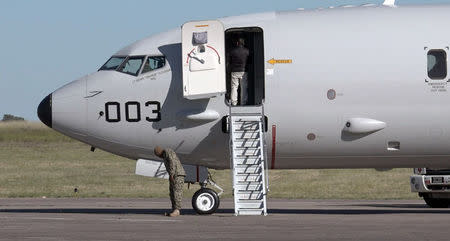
[[203, 56]]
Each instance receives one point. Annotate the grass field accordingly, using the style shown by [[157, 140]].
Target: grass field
[[35, 161]]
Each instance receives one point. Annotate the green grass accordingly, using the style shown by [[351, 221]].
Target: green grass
[[36, 161]]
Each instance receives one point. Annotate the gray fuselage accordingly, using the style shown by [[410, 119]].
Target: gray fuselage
[[363, 62]]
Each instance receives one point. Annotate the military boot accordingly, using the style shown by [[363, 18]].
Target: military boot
[[175, 213]]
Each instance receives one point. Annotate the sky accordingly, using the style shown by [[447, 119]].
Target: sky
[[48, 43]]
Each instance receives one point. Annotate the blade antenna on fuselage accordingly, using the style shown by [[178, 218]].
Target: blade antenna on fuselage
[[390, 3]]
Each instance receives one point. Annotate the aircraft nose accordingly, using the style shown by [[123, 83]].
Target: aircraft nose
[[45, 111]]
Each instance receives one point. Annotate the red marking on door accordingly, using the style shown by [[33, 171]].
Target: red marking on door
[[189, 56], [218, 55], [274, 142]]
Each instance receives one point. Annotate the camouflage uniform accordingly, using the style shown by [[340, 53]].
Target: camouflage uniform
[[175, 170]]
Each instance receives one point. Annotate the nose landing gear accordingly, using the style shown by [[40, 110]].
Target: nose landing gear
[[206, 201]]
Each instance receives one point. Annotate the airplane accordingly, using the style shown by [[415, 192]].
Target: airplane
[[346, 87]]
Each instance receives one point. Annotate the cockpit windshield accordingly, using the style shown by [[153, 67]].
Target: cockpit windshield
[[153, 63], [132, 65], [113, 63]]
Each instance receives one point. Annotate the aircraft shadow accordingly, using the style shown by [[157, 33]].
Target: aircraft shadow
[[105, 211], [174, 102], [391, 205], [356, 211], [211, 145], [425, 210], [346, 136]]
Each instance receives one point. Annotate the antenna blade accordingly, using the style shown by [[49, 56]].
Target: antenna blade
[[390, 3]]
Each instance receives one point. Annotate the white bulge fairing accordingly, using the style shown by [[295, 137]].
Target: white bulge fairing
[[341, 88]]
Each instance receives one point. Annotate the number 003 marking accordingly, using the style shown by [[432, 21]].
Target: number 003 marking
[[113, 114], [156, 110]]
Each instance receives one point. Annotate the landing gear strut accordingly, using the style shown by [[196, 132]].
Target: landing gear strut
[[206, 201]]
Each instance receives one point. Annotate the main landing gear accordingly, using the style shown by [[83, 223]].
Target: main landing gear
[[206, 201]]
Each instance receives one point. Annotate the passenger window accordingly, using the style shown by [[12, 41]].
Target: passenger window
[[437, 64], [154, 62], [132, 65]]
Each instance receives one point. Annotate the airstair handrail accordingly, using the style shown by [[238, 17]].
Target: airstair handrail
[[266, 163]]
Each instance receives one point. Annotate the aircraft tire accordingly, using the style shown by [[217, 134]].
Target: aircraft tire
[[205, 201], [437, 202]]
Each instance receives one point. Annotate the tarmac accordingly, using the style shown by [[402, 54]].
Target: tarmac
[[143, 219]]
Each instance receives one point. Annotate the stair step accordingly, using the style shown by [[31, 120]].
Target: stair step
[[254, 111], [242, 146], [246, 166], [244, 143], [242, 132], [251, 170], [249, 178], [250, 201], [247, 152], [245, 136], [248, 161], [245, 114], [245, 127], [242, 121], [251, 211], [249, 187], [247, 149], [247, 158], [247, 141], [249, 195], [248, 205], [246, 118], [246, 123], [248, 183], [237, 158], [240, 140]]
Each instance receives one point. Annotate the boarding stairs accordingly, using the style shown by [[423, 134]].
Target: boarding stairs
[[248, 160]]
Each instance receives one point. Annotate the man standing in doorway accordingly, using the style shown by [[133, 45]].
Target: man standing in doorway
[[176, 177], [238, 61]]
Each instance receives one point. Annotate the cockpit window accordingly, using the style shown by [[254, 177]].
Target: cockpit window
[[154, 62], [132, 65], [113, 63]]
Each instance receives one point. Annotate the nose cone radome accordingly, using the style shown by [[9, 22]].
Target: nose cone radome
[[45, 111]]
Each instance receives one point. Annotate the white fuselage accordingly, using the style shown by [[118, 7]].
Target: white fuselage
[[373, 58]]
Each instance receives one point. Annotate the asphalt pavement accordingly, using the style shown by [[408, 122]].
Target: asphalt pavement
[[143, 219]]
